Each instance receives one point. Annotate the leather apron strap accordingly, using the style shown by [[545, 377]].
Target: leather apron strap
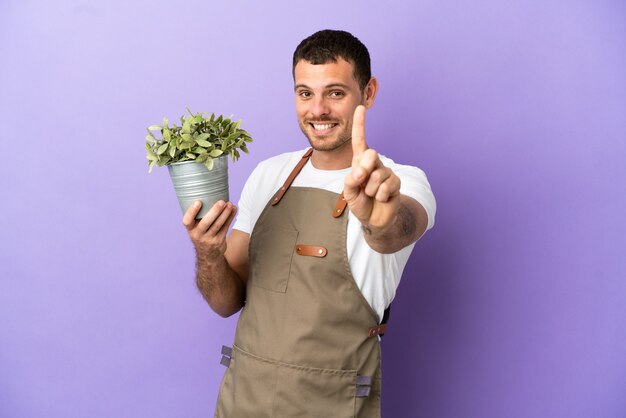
[[292, 176]]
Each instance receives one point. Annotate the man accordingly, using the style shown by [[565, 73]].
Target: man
[[316, 253]]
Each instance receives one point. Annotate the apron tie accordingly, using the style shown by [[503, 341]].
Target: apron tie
[[363, 386], [227, 353]]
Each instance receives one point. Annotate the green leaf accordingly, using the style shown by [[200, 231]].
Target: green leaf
[[191, 156], [187, 125], [209, 163], [233, 136], [216, 153], [165, 122], [203, 143], [172, 149], [162, 149], [154, 128], [167, 135]]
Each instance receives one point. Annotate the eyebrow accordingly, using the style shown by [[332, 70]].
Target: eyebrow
[[330, 86]]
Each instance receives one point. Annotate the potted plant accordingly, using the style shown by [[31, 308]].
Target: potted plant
[[196, 154]]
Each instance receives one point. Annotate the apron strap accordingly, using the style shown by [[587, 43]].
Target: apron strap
[[382, 328], [340, 206], [292, 176]]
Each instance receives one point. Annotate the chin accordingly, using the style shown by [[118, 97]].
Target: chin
[[326, 144]]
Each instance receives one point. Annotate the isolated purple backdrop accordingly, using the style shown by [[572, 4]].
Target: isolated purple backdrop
[[513, 306]]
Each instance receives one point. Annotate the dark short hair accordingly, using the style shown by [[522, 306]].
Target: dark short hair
[[328, 45]]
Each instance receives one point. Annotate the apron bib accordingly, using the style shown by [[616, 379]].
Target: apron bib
[[305, 344]]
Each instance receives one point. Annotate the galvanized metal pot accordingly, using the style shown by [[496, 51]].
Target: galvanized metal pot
[[193, 181]]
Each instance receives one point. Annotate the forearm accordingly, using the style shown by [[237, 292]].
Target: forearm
[[220, 286], [406, 227]]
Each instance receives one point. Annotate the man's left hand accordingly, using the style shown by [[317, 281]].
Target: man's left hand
[[371, 189]]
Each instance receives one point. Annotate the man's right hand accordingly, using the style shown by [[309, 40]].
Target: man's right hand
[[209, 233], [222, 263]]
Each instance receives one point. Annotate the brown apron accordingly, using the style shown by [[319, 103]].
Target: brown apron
[[306, 343]]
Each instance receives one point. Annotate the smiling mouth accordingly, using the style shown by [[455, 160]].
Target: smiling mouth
[[322, 127]]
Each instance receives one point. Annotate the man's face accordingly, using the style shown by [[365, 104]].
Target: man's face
[[326, 96]]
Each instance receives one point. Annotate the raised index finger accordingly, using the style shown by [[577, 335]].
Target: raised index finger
[[359, 146]]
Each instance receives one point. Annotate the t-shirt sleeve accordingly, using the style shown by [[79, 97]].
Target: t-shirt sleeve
[[243, 221], [415, 184]]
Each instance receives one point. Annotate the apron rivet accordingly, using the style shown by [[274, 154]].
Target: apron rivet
[[320, 251], [338, 210]]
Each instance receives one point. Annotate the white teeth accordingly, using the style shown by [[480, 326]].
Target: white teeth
[[323, 127]]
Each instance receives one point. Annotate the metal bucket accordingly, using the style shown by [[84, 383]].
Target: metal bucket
[[193, 181]]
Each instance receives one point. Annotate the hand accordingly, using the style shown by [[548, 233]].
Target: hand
[[371, 189], [209, 233]]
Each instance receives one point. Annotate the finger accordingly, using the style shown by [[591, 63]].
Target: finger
[[358, 132], [222, 219], [210, 217], [369, 162], [222, 233], [351, 186], [388, 190], [375, 180], [189, 218]]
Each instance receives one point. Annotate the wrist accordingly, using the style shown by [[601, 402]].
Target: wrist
[[209, 258]]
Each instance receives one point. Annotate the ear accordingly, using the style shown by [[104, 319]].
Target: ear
[[370, 92]]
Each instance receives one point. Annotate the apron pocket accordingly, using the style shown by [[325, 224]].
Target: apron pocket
[[303, 392], [247, 390], [272, 251]]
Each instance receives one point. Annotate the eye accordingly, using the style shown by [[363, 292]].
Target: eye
[[304, 94], [336, 94]]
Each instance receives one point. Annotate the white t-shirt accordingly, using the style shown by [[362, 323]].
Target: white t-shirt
[[376, 274]]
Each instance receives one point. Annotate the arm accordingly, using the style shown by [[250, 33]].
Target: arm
[[390, 220], [407, 227], [222, 263]]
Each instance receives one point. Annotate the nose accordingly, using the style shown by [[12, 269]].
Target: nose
[[319, 106]]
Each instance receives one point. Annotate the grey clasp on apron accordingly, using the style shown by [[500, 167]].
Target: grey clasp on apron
[[363, 386], [227, 353]]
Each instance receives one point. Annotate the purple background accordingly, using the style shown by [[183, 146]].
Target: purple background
[[513, 306]]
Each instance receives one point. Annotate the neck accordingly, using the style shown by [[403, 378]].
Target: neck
[[336, 159]]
